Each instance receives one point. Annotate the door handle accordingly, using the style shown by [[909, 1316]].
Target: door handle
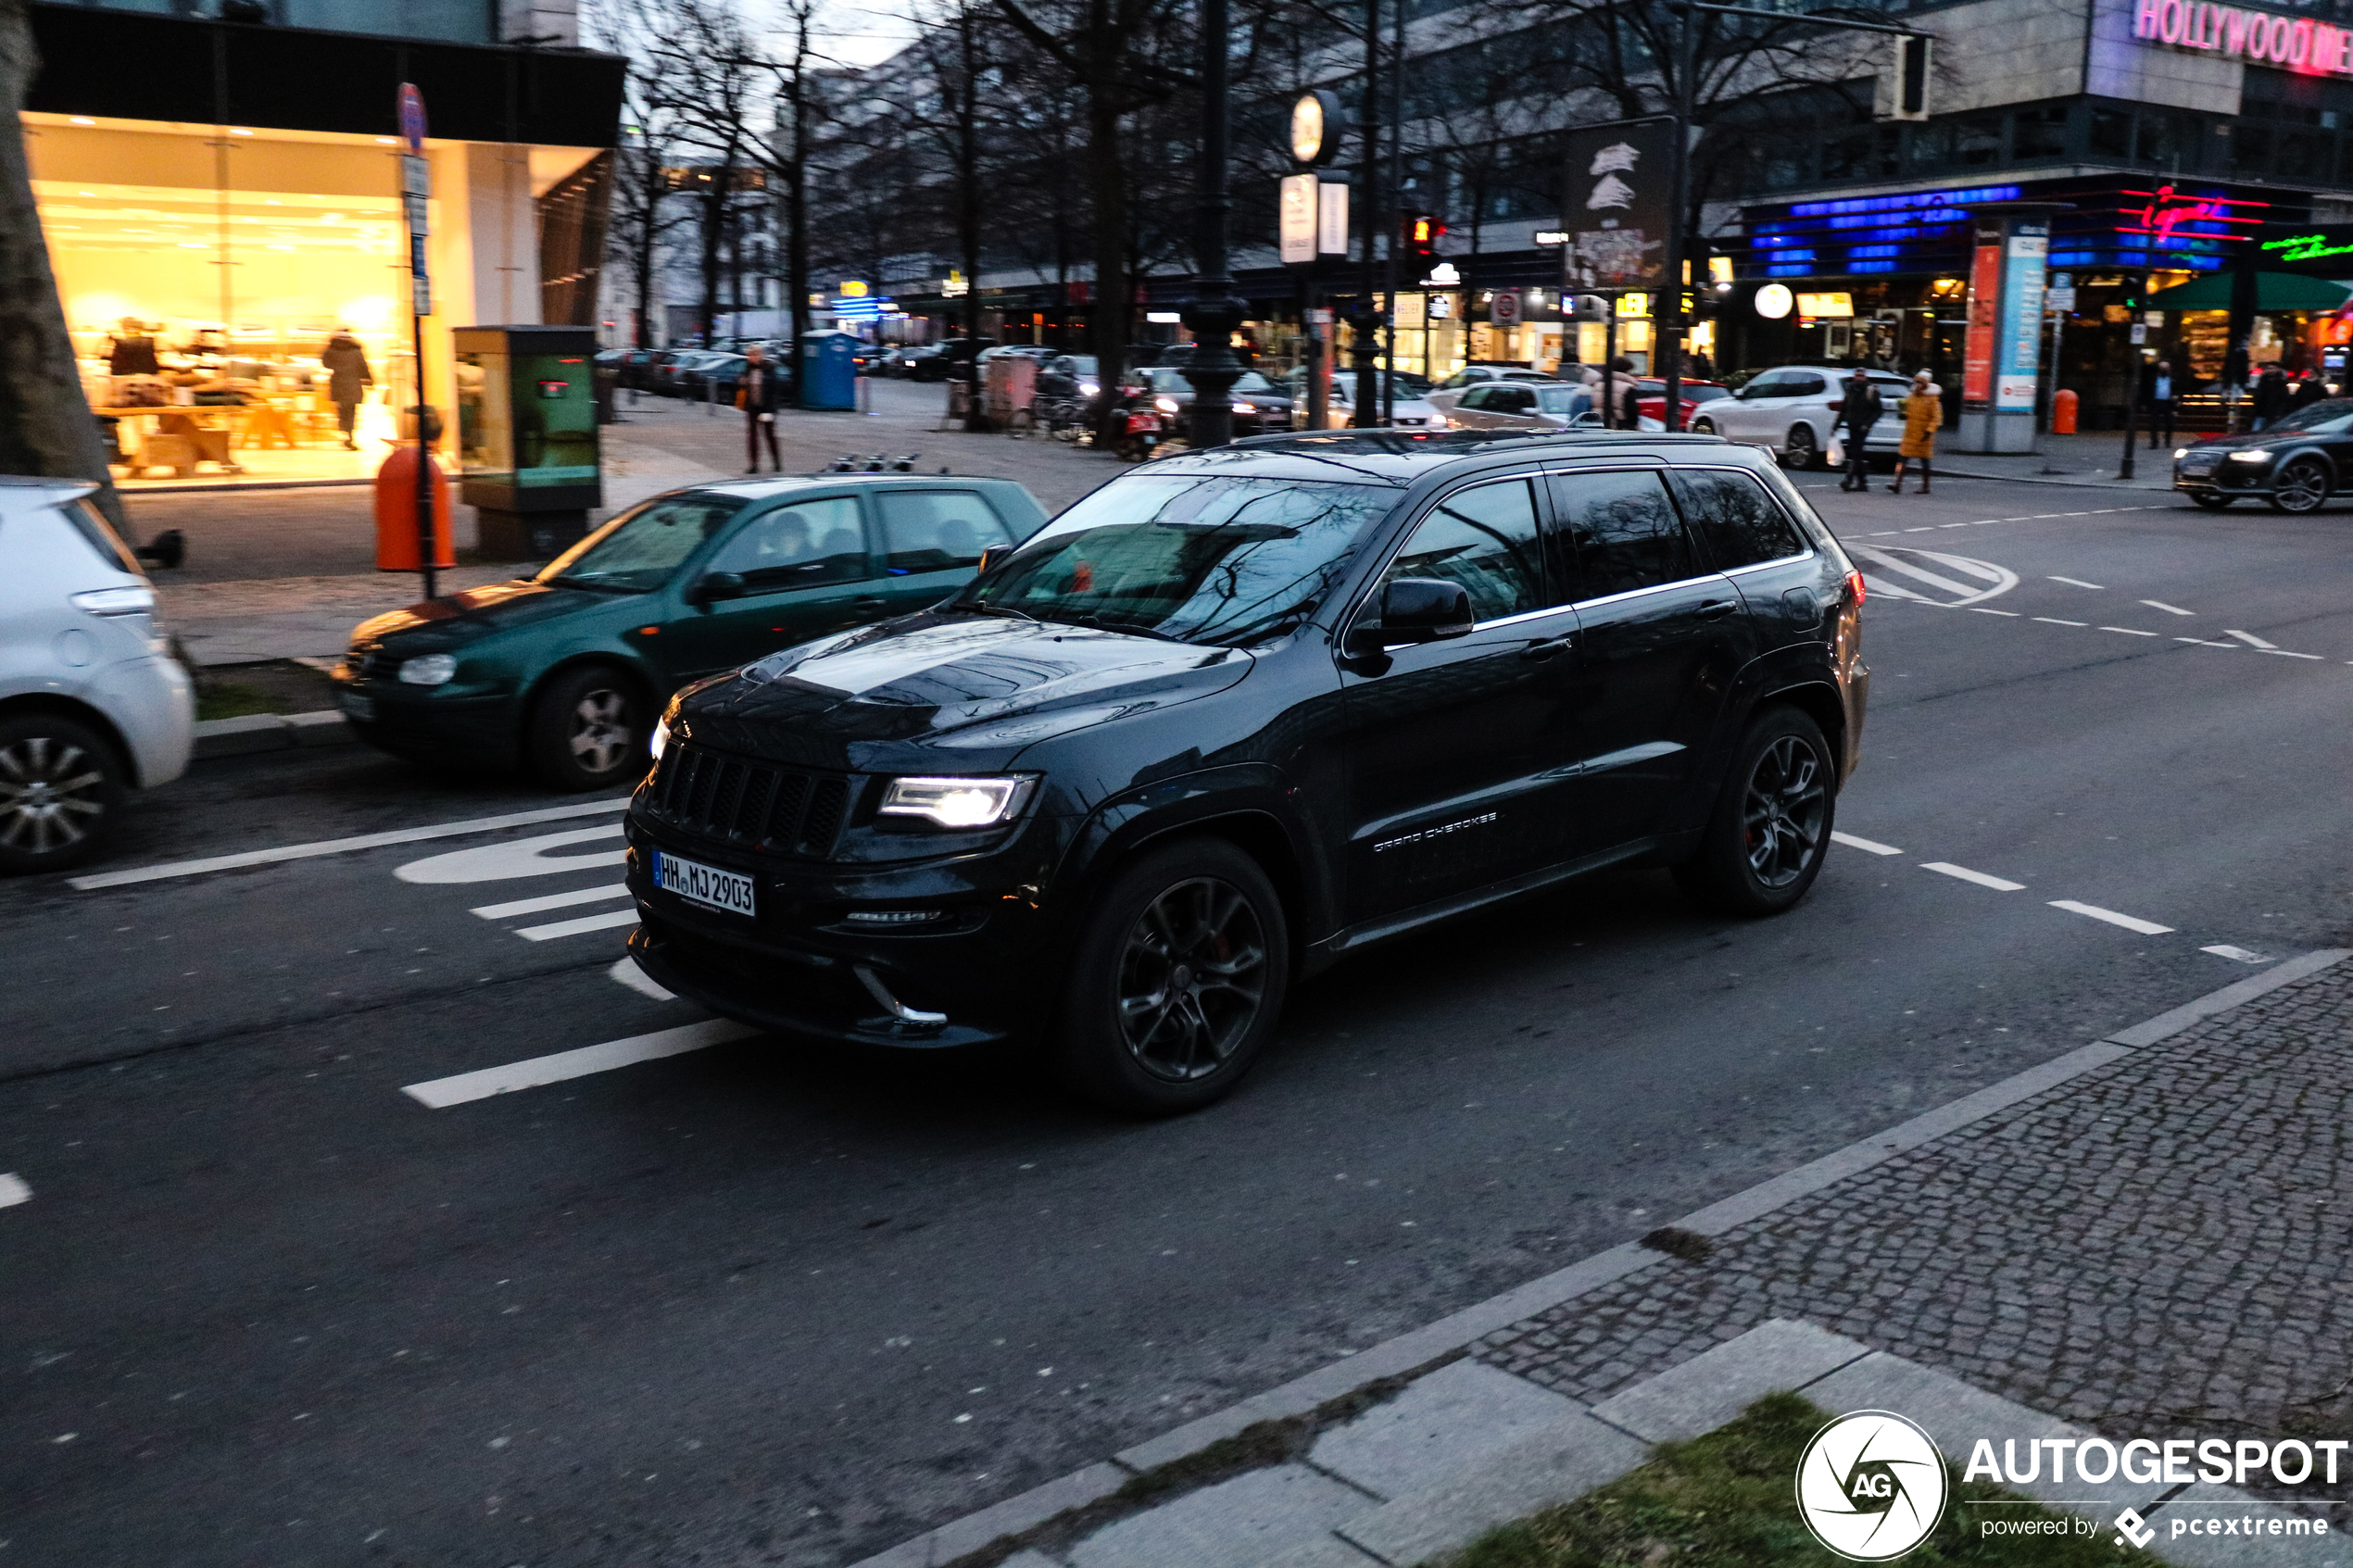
[[1547, 647], [866, 604], [1716, 609]]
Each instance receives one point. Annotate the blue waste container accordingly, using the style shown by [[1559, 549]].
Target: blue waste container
[[829, 370]]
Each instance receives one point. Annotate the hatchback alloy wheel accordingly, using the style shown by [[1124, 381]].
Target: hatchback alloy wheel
[[50, 795], [1783, 812], [1192, 979], [600, 737]]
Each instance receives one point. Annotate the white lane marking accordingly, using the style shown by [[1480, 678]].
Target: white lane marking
[[1999, 579], [2204, 644], [2251, 639], [2286, 654], [439, 1093], [1866, 846], [2078, 583], [2128, 630], [1884, 534], [554, 929], [523, 856], [1880, 589], [638, 980], [2169, 609], [1952, 525], [339, 846], [2145, 927], [2055, 621], [1930, 528], [552, 901], [1948, 868], [13, 1190], [2224, 950], [1982, 610]]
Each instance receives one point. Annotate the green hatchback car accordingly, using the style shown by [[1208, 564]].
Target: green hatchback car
[[565, 671]]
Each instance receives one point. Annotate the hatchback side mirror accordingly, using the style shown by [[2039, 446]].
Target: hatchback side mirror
[[715, 585], [1414, 610], [991, 558]]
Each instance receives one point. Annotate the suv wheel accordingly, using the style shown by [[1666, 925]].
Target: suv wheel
[[1801, 450], [1763, 842], [2301, 486], [587, 730], [1178, 982], [61, 787]]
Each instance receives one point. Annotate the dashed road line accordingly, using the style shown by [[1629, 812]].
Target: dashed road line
[[546, 901], [2283, 653], [1867, 846], [339, 846], [554, 929], [2169, 609], [440, 1093], [627, 972], [2128, 630], [2251, 639], [2204, 644], [1982, 610], [2078, 583], [2145, 927], [13, 1190], [2055, 621], [1996, 883]]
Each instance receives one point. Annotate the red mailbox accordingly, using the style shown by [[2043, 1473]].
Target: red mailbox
[[396, 513]]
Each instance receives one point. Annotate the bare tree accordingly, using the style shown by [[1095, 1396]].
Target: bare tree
[[45, 426]]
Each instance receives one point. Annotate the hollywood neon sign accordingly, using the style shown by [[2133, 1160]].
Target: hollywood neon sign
[[2300, 44]]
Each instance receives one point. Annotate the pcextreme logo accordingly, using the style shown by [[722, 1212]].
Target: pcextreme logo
[[1871, 1485]]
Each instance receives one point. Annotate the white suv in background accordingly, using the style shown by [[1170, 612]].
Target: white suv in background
[[91, 702], [1788, 410]]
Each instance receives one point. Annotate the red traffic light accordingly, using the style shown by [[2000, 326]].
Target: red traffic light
[[1421, 234]]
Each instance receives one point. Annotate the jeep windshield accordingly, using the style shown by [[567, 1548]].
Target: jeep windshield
[[1217, 560]]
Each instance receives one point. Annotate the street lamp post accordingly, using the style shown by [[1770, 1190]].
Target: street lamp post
[[1215, 313]]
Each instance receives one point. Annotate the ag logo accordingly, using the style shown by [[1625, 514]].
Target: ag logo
[[1872, 1486]]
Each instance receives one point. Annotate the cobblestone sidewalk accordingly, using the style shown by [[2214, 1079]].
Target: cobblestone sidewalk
[[2157, 1247]]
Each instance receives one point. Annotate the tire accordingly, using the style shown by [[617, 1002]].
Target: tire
[[2210, 501], [587, 729], [61, 788], [1703, 426], [2301, 486], [1800, 449], [1140, 1032], [1766, 838]]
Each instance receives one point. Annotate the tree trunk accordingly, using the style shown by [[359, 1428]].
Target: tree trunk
[[45, 428], [1112, 307]]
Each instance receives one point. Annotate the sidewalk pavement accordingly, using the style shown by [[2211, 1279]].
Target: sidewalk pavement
[[277, 574], [2141, 1239], [2091, 459]]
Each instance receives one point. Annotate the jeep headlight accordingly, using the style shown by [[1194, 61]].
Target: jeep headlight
[[958, 802], [428, 669], [661, 741]]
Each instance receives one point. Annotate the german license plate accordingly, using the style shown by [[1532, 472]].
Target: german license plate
[[357, 706], [699, 884]]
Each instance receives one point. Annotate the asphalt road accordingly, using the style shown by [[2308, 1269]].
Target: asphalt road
[[763, 1303]]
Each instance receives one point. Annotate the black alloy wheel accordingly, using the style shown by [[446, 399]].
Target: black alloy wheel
[[1765, 842], [1178, 981], [2210, 501], [588, 729], [2300, 486], [1801, 450], [61, 791]]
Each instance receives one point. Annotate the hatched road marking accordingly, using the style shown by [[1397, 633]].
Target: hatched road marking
[[546, 901], [554, 929], [1931, 568], [13, 1190], [2251, 639], [2169, 609], [2078, 583], [440, 1093]]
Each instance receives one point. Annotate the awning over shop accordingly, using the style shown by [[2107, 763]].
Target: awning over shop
[[2273, 291]]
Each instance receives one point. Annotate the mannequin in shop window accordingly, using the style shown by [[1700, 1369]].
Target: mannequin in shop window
[[132, 352], [348, 380]]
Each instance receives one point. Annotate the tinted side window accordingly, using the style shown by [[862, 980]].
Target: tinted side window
[[1741, 524], [1621, 531], [1772, 385], [1511, 400], [1803, 386], [936, 530], [1475, 399], [1484, 538], [792, 546]]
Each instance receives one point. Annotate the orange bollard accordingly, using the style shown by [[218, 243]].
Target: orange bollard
[[2063, 412], [396, 513]]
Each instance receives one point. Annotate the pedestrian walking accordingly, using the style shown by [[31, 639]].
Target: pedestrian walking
[[2270, 396], [2310, 389], [2157, 397], [1858, 408], [348, 380], [1923, 417], [759, 392]]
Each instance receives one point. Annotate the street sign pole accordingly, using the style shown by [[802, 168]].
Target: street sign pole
[[416, 187]]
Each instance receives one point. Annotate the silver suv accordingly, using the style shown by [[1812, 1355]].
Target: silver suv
[[91, 702], [1788, 410]]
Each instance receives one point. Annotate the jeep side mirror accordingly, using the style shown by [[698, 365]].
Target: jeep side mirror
[[1414, 610], [715, 585]]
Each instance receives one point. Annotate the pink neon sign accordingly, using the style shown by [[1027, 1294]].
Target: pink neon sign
[[2168, 214], [2301, 43]]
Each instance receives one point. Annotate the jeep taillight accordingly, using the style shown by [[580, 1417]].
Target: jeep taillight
[[1855, 587]]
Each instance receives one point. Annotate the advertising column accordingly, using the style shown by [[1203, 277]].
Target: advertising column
[[2001, 365]]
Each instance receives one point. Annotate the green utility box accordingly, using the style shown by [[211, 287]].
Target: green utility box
[[528, 460]]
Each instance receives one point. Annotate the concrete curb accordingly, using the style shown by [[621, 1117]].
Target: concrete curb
[[270, 732], [1942, 472], [1447, 1336]]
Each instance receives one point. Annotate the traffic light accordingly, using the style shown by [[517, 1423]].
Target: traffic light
[[1909, 71], [1420, 233]]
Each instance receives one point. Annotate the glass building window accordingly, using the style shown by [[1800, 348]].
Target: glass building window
[[2111, 134]]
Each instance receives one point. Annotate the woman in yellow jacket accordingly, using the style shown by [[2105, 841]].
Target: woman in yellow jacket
[[1923, 417]]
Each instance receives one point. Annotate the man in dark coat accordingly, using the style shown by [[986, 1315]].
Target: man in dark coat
[[2270, 396], [759, 392], [1859, 407], [348, 380]]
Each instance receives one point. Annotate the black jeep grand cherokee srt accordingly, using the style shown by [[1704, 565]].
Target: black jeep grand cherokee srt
[[1241, 712]]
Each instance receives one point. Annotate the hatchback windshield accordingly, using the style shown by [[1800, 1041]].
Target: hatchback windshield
[[637, 551], [1194, 559], [2326, 417]]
